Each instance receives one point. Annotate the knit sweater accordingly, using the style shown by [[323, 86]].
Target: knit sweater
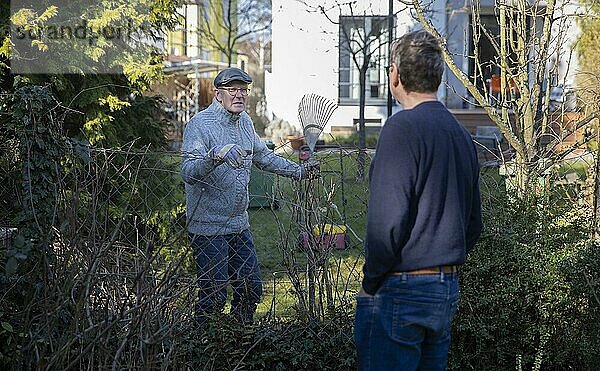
[[217, 194], [424, 203]]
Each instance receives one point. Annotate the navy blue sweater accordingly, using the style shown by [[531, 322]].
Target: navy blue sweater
[[424, 205]]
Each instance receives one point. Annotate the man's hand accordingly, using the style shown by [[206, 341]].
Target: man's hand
[[232, 154], [311, 170]]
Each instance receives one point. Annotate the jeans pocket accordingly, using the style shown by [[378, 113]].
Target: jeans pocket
[[410, 319]]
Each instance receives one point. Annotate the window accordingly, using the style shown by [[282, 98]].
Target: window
[[487, 55], [486, 71], [176, 39], [363, 38]]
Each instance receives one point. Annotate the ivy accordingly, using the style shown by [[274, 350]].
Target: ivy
[[41, 146]]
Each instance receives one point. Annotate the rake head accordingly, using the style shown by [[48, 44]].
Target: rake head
[[314, 111]]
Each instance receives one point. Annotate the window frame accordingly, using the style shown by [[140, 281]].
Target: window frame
[[348, 73]]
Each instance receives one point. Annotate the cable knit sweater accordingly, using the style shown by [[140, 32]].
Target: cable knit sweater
[[217, 194]]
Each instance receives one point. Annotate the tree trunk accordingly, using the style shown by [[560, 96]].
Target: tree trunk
[[361, 122], [522, 177]]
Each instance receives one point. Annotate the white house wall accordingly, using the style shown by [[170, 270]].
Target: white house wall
[[301, 59]]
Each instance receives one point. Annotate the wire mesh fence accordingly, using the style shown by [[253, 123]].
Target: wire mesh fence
[[121, 276]]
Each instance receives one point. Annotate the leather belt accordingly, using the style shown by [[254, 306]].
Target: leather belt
[[432, 270]]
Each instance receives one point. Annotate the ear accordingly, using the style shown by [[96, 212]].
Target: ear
[[394, 76], [218, 95]]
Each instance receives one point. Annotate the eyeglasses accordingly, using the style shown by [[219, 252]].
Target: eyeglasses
[[233, 91]]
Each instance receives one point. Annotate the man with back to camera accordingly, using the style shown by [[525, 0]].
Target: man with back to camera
[[219, 147], [424, 216]]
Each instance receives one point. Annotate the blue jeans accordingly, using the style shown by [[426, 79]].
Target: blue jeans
[[406, 324], [222, 259]]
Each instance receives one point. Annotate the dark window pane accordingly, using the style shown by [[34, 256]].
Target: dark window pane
[[344, 91], [344, 75], [344, 61], [374, 91]]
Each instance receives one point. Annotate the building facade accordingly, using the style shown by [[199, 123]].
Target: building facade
[[318, 47]]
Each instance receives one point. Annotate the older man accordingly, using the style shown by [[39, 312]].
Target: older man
[[424, 216], [219, 147]]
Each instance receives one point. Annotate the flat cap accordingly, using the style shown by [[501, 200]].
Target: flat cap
[[231, 74]]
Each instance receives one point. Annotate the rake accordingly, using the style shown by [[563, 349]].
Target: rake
[[314, 111]]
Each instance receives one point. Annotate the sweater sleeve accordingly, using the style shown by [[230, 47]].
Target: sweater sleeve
[[196, 164], [391, 203], [267, 160]]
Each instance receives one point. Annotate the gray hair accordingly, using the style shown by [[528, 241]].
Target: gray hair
[[419, 60]]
